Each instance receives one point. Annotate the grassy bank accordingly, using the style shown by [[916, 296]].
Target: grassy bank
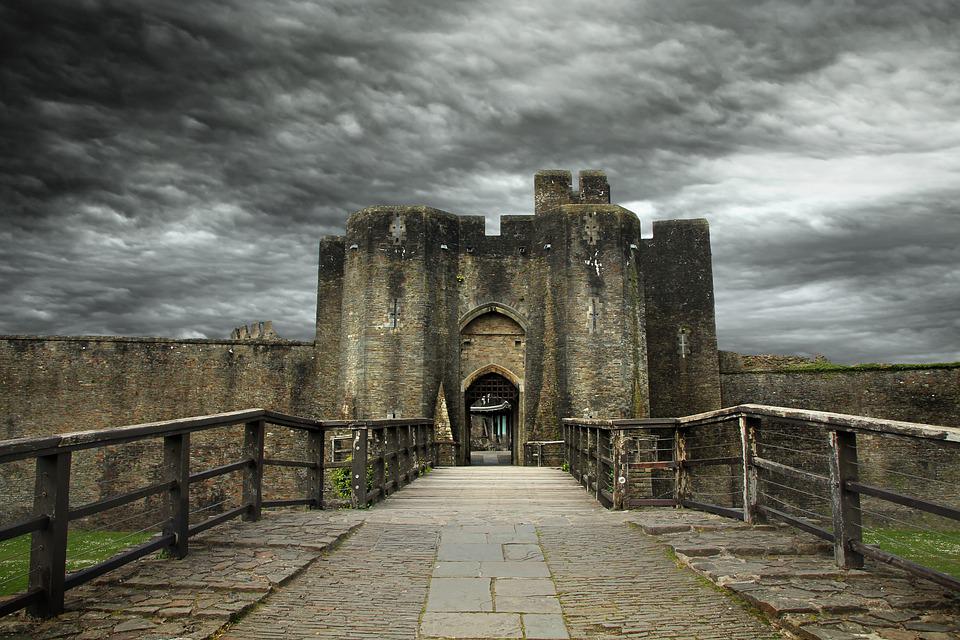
[[84, 548]]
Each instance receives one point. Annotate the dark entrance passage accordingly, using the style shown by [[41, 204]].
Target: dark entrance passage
[[492, 409]]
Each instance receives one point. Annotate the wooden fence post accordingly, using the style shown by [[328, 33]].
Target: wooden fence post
[[681, 478], [616, 454], [410, 447], [253, 435], [597, 463], [584, 456], [316, 443], [379, 464], [748, 444], [176, 469], [845, 504], [393, 445], [48, 556], [359, 471]]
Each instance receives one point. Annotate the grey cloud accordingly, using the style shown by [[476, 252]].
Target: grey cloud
[[168, 167]]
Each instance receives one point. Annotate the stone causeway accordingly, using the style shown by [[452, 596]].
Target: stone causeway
[[499, 552]]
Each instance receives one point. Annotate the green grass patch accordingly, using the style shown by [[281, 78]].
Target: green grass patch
[[939, 551], [84, 548]]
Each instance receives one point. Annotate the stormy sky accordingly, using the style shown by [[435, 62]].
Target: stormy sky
[[167, 167]]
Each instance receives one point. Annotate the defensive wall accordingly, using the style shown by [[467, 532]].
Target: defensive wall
[[913, 393], [54, 385]]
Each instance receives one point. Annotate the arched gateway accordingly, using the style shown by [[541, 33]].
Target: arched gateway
[[492, 353], [568, 303]]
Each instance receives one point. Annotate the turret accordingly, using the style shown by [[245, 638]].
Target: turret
[[552, 188]]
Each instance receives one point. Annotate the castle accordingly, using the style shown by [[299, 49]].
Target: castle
[[568, 312]]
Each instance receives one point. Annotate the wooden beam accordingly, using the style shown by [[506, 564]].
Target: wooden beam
[[176, 471], [48, 555], [253, 434], [748, 450], [845, 504], [358, 479]]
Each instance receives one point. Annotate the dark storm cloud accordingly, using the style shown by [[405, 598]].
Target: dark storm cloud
[[168, 166]]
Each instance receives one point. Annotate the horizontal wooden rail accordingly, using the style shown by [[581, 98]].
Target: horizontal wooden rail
[[48, 576], [223, 469], [270, 462], [912, 567], [292, 502], [23, 600], [799, 474], [907, 501], [78, 578], [94, 508], [596, 447], [213, 521], [796, 522], [729, 512], [22, 527]]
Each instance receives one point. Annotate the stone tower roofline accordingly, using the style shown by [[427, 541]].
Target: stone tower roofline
[[552, 188]]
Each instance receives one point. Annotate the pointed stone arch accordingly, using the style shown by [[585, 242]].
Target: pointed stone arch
[[493, 307], [491, 368]]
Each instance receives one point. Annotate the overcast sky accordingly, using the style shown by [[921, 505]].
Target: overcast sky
[[167, 167]]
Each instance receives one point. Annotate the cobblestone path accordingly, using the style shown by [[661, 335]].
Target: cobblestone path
[[615, 581], [519, 546], [371, 586], [465, 552]]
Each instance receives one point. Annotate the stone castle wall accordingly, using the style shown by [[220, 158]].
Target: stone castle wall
[[53, 385], [921, 468], [930, 396], [412, 276]]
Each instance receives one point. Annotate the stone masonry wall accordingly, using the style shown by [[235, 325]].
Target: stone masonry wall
[[922, 468], [930, 396], [53, 385]]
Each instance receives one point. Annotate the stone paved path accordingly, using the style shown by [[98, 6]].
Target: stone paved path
[[372, 586], [526, 553], [482, 552]]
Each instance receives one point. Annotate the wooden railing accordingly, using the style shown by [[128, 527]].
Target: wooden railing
[[679, 452], [51, 512], [395, 452], [539, 453]]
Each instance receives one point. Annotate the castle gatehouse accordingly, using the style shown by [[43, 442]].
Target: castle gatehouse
[[567, 312]]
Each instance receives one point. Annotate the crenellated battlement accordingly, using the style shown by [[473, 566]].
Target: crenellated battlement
[[553, 188]]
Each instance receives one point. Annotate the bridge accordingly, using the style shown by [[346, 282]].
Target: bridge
[[748, 522]]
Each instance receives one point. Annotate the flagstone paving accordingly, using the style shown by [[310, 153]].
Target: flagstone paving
[[497, 552]]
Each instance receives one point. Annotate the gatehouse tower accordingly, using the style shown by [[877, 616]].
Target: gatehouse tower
[[568, 312]]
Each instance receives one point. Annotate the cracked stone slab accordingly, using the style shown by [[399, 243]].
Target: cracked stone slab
[[459, 552], [522, 552], [460, 594], [471, 625], [544, 626]]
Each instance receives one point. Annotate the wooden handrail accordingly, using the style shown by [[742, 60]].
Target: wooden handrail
[[842, 488], [842, 421], [53, 454]]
